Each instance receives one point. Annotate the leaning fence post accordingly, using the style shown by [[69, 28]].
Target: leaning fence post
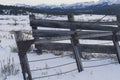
[[22, 56], [116, 41], [75, 42], [39, 51], [116, 45]]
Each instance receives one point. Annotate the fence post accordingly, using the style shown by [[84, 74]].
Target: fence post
[[39, 51], [116, 45], [118, 19], [23, 56], [75, 42], [116, 41]]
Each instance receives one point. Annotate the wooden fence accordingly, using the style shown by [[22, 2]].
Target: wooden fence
[[44, 39]]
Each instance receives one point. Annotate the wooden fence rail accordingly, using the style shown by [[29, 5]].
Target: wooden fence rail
[[72, 25], [84, 47]]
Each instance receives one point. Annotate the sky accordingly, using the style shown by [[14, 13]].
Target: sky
[[37, 2]]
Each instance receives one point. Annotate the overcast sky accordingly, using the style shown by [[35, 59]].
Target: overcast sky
[[36, 2]]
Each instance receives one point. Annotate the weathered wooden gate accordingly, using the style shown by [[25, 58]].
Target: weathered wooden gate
[[44, 39]]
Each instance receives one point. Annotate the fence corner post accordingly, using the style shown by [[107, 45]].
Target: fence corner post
[[23, 55]]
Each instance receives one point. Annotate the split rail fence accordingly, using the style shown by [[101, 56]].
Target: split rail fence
[[45, 39]]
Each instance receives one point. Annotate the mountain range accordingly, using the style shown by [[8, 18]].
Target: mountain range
[[106, 7], [73, 6]]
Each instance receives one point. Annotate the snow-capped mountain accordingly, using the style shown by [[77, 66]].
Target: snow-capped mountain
[[75, 5], [67, 6], [22, 5], [78, 5], [108, 7], [110, 2]]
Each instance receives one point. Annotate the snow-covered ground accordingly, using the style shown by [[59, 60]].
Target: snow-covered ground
[[9, 56]]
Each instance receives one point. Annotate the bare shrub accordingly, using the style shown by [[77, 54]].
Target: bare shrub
[[8, 68]]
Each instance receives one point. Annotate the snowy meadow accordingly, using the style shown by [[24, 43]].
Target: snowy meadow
[[10, 68]]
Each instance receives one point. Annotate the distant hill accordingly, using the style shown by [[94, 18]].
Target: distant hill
[[108, 7]]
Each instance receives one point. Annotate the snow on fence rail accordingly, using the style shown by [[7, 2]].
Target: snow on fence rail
[[45, 40]]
